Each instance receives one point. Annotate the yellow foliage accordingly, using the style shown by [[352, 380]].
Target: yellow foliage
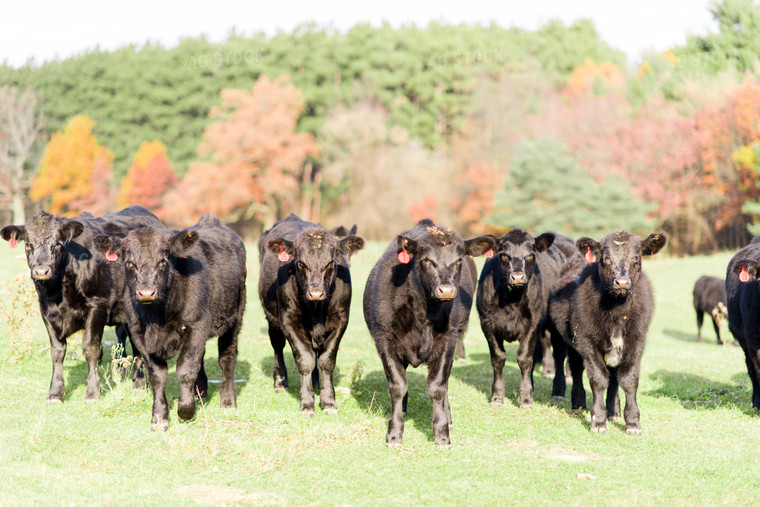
[[583, 77], [67, 166], [643, 69], [746, 156], [670, 57]]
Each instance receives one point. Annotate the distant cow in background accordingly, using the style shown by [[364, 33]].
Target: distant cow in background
[[710, 297], [743, 302], [305, 289], [603, 314], [78, 289], [513, 295], [417, 305]]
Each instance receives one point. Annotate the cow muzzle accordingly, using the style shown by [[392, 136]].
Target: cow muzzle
[[446, 292], [42, 273], [146, 295], [316, 294], [518, 278], [622, 283]]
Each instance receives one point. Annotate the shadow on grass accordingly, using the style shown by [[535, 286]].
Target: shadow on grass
[[698, 393], [371, 394], [680, 335], [294, 378]]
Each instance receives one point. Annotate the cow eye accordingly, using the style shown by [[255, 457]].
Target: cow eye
[[129, 265], [606, 261], [427, 263], [57, 247], [302, 266], [162, 263], [529, 257]]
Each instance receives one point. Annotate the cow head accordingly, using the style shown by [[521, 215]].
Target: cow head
[[148, 256], [517, 255], [45, 237], [439, 255], [618, 258], [315, 254]]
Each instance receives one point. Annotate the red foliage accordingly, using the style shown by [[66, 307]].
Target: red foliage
[[149, 179]]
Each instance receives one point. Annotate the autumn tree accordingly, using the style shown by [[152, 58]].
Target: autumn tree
[[21, 124], [254, 165], [75, 172], [149, 178]]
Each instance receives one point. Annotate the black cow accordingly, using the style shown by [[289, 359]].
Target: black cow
[[513, 295], [77, 289], [710, 297], [305, 289], [603, 314], [182, 288], [743, 302], [417, 304]]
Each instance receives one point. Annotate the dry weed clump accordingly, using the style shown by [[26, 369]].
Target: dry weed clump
[[18, 301]]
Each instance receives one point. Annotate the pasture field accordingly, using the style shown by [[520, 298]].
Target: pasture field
[[700, 439]]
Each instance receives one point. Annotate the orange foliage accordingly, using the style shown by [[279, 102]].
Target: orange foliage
[[149, 179], [425, 209], [479, 182], [584, 76], [75, 171], [252, 157]]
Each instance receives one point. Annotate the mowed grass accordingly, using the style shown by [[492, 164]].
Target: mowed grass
[[700, 440]]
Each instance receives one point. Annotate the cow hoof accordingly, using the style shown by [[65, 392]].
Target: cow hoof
[[307, 412], [54, 401], [228, 404], [633, 431], [138, 385], [90, 401], [526, 404], [558, 399], [186, 413], [159, 426], [444, 445], [393, 445], [599, 429], [496, 402], [330, 411]]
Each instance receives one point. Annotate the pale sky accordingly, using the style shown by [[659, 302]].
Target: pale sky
[[47, 29]]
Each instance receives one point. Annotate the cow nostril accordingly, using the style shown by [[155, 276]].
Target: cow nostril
[[623, 282], [315, 294], [446, 292], [518, 278], [147, 295], [41, 272]]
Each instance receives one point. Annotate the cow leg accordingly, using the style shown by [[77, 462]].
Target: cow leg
[[700, 319], [752, 358], [547, 363], [599, 378], [57, 354], [201, 381], [157, 375], [189, 365], [459, 352], [395, 373], [138, 375], [228, 351], [525, 350], [498, 358], [578, 392], [559, 352], [439, 370], [613, 400], [326, 362], [628, 376], [280, 373], [306, 362], [716, 326], [93, 350]]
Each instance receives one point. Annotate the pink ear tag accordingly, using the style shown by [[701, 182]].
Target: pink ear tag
[[744, 276], [111, 256], [590, 257], [489, 253], [403, 257], [12, 242], [283, 255]]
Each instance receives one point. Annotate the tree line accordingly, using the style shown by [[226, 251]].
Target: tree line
[[480, 127]]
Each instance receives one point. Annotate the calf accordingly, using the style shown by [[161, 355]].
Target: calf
[[183, 287], [513, 294], [603, 313], [417, 303], [305, 289], [743, 302], [710, 297], [77, 289]]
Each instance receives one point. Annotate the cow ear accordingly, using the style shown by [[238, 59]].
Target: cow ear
[[589, 248], [352, 230], [543, 242], [71, 229], [405, 244], [181, 242], [351, 244], [13, 233], [108, 245], [476, 247], [746, 270], [653, 243], [277, 245]]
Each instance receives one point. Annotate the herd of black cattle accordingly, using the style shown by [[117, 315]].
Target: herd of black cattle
[[170, 291]]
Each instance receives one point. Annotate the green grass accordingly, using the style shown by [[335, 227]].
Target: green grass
[[699, 445]]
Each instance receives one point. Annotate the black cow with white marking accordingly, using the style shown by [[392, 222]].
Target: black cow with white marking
[[710, 298], [417, 305]]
